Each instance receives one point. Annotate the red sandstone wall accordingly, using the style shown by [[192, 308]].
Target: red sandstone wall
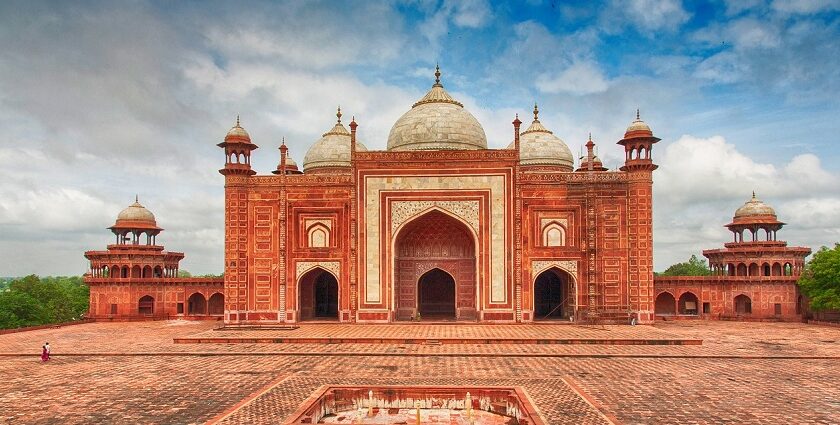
[[167, 293], [720, 292]]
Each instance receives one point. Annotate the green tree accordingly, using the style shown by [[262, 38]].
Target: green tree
[[32, 301], [820, 281], [693, 267]]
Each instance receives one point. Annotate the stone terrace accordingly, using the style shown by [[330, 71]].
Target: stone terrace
[[135, 373]]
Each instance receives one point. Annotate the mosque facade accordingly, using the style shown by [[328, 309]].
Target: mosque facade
[[438, 226]]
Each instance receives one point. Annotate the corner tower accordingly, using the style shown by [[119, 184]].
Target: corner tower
[[237, 171], [638, 144]]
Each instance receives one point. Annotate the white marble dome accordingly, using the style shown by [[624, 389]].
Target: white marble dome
[[437, 122], [539, 146], [331, 150]]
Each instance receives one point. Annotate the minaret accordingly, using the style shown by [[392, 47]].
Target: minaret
[[638, 142], [238, 147]]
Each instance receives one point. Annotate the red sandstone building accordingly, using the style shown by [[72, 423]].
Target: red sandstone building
[[135, 278], [753, 277], [438, 226]]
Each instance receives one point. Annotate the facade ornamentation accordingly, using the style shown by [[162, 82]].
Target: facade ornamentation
[[304, 266], [402, 211], [539, 266]]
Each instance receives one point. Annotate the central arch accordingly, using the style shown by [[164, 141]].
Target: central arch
[[436, 294], [427, 250], [553, 295]]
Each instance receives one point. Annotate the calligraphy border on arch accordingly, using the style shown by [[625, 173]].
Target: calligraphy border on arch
[[304, 266], [539, 266]]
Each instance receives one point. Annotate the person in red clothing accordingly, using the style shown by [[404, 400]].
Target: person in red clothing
[[45, 352]]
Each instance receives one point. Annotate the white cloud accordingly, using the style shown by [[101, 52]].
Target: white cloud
[[580, 78], [647, 16], [701, 181], [805, 6], [470, 13]]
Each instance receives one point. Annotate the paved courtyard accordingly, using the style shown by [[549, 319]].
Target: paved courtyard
[[135, 373]]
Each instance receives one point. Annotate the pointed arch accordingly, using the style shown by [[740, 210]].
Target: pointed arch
[[318, 236], [553, 234]]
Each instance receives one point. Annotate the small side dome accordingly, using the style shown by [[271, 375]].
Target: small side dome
[[638, 128], [237, 133], [754, 207], [332, 150], [437, 122], [539, 146], [291, 165], [136, 216], [597, 164]]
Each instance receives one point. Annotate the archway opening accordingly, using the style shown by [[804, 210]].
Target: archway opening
[[688, 304], [431, 241], [665, 304], [743, 304], [553, 295], [216, 304], [318, 295], [436, 295], [197, 305], [146, 306]]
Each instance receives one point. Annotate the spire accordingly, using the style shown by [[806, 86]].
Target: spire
[[437, 76], [283, 141], [753, 195], [338, 114], [638, 118], [536, 113], [137, 198], [237, 120]]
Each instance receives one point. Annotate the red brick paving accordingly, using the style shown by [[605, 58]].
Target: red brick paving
[[657, 385]]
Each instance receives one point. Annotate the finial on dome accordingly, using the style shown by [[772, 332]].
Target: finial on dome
[[753, 195], [237, 120], [637, 115], [536, 112], [590, 136], [283, 141], [338, 114], [137, 198], [437, 74]]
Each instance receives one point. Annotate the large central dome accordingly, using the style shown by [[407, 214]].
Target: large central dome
[[437, 122]]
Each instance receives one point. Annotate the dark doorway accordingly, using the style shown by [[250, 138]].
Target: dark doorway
[[326, 297], [665, 304], [146, 306], [436, 289], [216, 304], [318, 295], [551, 295], [197, 304]]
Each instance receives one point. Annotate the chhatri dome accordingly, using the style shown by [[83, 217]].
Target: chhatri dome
[[638, 128], [135, 214], [539, 146], [331, 150], [753, 208], [437, 122], [237, 132]]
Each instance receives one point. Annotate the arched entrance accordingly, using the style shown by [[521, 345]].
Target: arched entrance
[[688, 304], [436, 295], [553, 295], [430, 242], [146, 306], [216, 304], [665, 304], [318, 295], [196, 305], [743, 304]]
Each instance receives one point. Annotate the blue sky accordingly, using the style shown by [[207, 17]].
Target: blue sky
[[100, 101]]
